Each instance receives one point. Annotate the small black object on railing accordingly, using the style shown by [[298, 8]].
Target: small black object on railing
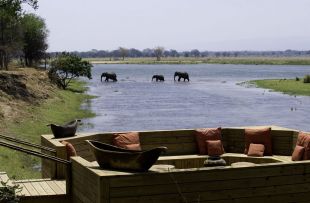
[[65, 130]]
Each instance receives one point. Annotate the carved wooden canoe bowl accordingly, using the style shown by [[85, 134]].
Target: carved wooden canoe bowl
[[66, 130], [112, 157]]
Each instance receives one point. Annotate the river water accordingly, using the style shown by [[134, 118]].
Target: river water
[[212, 98]]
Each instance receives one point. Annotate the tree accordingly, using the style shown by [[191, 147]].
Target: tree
[[174, 53], [123, 52], [135, 53], [35, 38], [148, 52], [67, 67], [10, 31], [195, 53], [186, 53], [158, 51]]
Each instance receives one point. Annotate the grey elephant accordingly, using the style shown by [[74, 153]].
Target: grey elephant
[[108, 76], [158, 78], [183, 75]]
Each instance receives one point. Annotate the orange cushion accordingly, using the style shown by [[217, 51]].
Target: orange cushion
[[136, 147], [70, 149], [204, 134], [215, 147], [129, 140], [256, 150], [259, 136], [298, 153], [304, 140]]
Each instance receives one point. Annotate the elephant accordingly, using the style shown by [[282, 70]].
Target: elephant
[[183, 75], [108, 76], [158, 78]]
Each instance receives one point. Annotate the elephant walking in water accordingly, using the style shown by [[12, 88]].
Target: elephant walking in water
[[158, 78], [108, 76], [183, 75]]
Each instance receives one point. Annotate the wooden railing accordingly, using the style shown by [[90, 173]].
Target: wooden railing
[[53, 158]]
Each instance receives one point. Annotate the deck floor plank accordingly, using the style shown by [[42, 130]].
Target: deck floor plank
[[24, 191], [47, 188], [54, 187], [61, 184], [38, 188], [4, 177], [32, 191]]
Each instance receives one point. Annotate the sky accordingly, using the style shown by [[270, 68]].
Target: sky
[[213, 25]]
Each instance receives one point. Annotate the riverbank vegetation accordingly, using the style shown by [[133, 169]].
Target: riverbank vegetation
[[206, 60], [287, 86], [28, 102]]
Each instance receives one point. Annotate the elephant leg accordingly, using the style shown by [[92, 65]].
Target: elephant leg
[[179, 79]]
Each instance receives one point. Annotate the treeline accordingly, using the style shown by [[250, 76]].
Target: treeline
[[160, 52], [23, 35]]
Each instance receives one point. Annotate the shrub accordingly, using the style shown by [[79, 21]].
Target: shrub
[[67, 67], [307, 79], [8, 193], [297, 79]]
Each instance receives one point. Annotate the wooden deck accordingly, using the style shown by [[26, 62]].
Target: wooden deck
[[39, 190], [42, 187]]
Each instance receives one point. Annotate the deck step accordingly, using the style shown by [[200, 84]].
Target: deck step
[[42, 187], [39, 190], [5, 178]]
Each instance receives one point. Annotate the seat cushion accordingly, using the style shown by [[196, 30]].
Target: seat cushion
[[256, 150], [215, 147], [204, 134], [259, 136], [128, 140], [304, 141], [69, 149], [298, 153]]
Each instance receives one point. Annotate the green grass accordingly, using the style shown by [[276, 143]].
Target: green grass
[[291, 86], [207, 60], [65, 106]]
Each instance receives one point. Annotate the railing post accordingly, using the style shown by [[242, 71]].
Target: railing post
[[68, 179]]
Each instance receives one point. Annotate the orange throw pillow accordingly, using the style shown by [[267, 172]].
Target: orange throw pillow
[[129, 140], [256, 150], [298, 153], [258, 136], [215, 147], [204, 134], [70, 149], [304, 140], [135, 147]]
